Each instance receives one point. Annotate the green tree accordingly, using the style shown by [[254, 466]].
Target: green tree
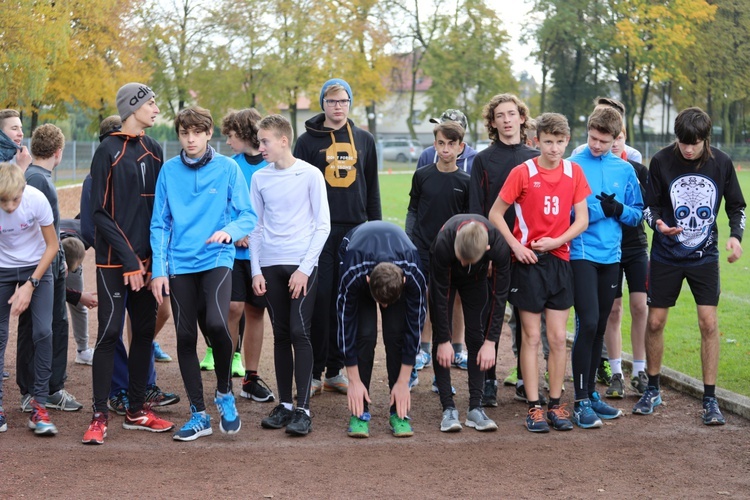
[[471, 64]]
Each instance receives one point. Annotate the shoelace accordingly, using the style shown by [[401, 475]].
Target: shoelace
[[40, 415], [712, 406], [536, 414], [226, 408], [195, 422], [97, 425], [560, 411]]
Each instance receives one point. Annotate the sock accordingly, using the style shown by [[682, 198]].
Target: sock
[[553, 402], [288, 406], [653, 381], [709, 391], [426, 346], [639, 365], [219, 393], [458, 347], [534, 404], [616, 365], [251, 374], [202, 413]]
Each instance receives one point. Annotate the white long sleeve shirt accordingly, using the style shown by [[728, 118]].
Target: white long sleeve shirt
[[293, 217]]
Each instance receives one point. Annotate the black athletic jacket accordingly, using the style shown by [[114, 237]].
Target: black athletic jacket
[[445, 269], [361, 250], [349, 163], [123, 173]]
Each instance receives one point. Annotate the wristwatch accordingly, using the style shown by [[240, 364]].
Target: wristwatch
[[34, 281]]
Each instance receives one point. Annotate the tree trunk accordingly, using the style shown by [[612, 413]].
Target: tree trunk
[[372, 119]]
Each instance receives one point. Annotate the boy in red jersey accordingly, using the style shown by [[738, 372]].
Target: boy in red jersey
[[544, 190]]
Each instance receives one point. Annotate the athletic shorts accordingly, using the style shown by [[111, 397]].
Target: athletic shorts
[[242, 285], [548, 284], [665, 284], [634, 267]]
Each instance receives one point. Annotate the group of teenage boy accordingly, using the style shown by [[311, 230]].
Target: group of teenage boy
[[296, 229]]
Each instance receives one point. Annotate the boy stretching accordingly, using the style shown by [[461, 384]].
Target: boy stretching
[[28, 243], [466, 252], [293, 225], [379, 265], [544, 190], [201, 207]]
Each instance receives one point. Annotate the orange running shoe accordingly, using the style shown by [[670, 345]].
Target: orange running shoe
[[97, 430], [146, 420]]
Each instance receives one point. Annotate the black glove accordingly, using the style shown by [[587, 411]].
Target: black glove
[[610, 206]]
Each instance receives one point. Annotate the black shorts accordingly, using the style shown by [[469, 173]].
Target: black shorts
[[634, 267], [548, 284], [665, 284], [242, 285]]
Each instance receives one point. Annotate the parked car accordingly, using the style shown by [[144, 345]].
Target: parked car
[[402, 150]]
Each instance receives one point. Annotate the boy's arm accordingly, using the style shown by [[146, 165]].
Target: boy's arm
[[256, 236], [245, 220], [734, 204], [654, 194], [370, 165], [476, 187], [87, 222], [416, 308], [161, 230], [411, 211], [22, 297], [347, 305], [322, 215], [632, 212], [104, 224]]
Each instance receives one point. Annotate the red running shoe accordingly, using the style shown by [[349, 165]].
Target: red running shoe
[[97, 430], [146, 420]]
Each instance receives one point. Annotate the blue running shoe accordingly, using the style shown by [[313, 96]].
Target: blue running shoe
[[230, 421], [199, 425], [602, 409], [424, 359], [160, 355], [584, 415], [711, 412], [535, 421], [413, 379], [650, 400], [461, 360]]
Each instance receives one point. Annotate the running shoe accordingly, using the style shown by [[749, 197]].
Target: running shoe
[[535, 421], [230, 422], [119, 403], [400, 427], [199, 425], [63, 400], [238, 369], [639, 382], [450, 422], [604, 372], [6, 375], [602, 409], [489, 394], [97, 430], [160, 355], [478, 420], [85, 357], [437, 391], [584, 415], [253, 387], [520, 394], [145, 420], [461, 360], [316, 387], [339, 383], [301, 423], [39, 420], [711, 412], [413, 379], [157, 397], [208, 360], [278, 418], [512, 378], [424, 359], [650, 400], [26, 403], [3, 421], [559, 418], [616, 389], [359, 427]]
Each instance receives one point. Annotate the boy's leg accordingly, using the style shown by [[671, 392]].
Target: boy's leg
[[556, 326], [41, 318], [475, 300], [79, 314], [8, 283], [605, 287], [111, 316], [25, 354], [586, 302], [367, 337], [59, 327], [531, 326], [301, 311], [142, 308], [184, 294], [252, 342], [395, 330], [277, 296], [216, 286], [443, 374]]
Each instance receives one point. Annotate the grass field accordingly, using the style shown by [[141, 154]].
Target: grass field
[[681, 336]]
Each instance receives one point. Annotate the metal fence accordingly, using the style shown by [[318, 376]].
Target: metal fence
[[77, 155]]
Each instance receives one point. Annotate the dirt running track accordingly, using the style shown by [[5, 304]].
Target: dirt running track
[[667, 455]]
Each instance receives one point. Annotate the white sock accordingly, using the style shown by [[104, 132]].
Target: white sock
[[288, 406], [616, 365], [639, 365]]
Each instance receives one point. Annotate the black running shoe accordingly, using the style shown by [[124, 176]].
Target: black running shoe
[[489, 396], [256, 389], [157, 397], [279, 417], [301, 423], [521, 395]]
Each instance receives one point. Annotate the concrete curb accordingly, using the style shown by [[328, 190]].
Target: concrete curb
[[728, 400]]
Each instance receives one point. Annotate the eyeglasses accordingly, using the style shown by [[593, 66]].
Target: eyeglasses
[[332, 103]]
